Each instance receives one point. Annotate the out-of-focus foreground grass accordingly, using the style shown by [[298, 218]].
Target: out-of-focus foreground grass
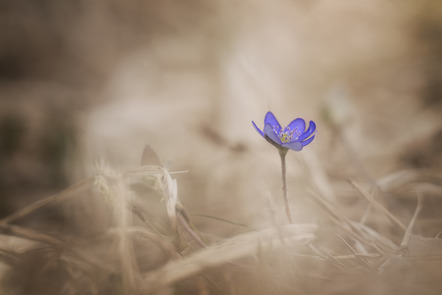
[[129, 164]]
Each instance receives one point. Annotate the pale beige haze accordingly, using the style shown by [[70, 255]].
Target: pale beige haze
[[129, 163]]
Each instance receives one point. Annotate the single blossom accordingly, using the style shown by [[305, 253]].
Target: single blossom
[[293, 137]]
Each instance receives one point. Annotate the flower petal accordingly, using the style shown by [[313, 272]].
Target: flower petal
[[310, 130], [257, 129], [294, 145], [271, 119], [270, 133], [298, 125], [306, 142]]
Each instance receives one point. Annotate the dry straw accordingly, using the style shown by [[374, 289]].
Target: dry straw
[[148, 244]]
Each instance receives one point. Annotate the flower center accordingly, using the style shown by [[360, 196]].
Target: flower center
[[287, 135]]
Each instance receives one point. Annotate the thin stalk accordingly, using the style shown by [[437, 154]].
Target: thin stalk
[[282, 153], [187, 227]]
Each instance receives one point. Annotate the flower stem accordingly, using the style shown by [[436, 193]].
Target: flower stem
[[282, 154]]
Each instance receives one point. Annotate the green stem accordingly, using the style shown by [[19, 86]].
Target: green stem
[[282, 154]]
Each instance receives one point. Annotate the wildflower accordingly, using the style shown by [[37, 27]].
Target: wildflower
[[293, 137]]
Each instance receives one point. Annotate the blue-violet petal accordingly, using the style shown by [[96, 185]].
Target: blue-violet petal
[[306, 142], [271, 119], [311, 129], [270, 133], [297, 125], [257, 129], [294, 145]]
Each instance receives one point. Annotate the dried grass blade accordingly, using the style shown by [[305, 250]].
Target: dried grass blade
[[341, 220], [412, 222], [121, 201], [67, 193], [378, 206], [150, 157], [355, 253], [54, 242], [183, 221], [232, 249]]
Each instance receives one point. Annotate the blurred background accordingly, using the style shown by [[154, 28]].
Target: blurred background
[[82, 81], [89, 81]]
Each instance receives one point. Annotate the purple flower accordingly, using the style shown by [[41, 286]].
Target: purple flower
[[293, 137]]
